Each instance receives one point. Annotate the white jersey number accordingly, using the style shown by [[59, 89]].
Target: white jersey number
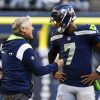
[[71, 48]]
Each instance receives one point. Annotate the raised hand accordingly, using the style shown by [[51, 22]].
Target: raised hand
[[60, 62]]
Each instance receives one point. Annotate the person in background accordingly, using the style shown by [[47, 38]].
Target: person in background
[[25, 4], [19, 62], [74, 44]]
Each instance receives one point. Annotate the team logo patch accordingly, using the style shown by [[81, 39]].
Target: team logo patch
[[69, 38], [32, 57], [93, 27]]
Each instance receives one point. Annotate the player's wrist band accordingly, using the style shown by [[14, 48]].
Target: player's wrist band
[[98, 69]]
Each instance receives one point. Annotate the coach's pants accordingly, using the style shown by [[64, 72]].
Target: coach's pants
[[66, 92], [19, 96]]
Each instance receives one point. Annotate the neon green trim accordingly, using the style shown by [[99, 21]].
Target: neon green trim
[[12, 37], [93, 27], [96, 85]]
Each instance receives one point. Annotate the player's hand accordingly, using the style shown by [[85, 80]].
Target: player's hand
[[60, 62], [90, 78], [1, 75], [60, 76]]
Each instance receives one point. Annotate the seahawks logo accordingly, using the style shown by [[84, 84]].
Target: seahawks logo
[[93, 27]]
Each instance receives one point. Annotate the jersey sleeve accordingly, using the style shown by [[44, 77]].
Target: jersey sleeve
[[54, 48], [93, 35], [31, 63]]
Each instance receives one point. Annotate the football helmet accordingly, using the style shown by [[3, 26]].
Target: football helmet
[[62, 14]]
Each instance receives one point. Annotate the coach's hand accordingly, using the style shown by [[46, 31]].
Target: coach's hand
[[60, 62], [90, 78], [60, 76]]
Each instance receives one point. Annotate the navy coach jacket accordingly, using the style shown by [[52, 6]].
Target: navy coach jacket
[[18, 64]]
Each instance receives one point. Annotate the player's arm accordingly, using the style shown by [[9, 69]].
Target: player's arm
[[31, 63], [94, 39], [58, 75], [54, 49], [52, 54], [54, 45]]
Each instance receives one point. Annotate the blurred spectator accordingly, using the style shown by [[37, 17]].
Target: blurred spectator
[[46, 4], [7, 3], [20, 3], [80, 5], [64, 1], [95, 5], [2, 3]]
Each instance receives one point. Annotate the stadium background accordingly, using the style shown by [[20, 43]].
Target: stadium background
[[87, 11]]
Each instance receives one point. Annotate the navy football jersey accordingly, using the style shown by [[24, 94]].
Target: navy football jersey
[[76, 50]]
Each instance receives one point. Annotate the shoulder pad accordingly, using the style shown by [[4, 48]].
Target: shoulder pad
[[86, 30], [55, 35], [54, 32], [87, 27], [92, 27]]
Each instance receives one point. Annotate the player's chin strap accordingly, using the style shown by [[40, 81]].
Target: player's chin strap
[[98, 69]]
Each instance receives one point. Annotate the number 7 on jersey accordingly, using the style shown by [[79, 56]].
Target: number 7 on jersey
[[71, 48]]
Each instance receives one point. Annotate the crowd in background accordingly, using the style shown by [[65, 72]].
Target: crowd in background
[[47, 5], [79, 5]]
